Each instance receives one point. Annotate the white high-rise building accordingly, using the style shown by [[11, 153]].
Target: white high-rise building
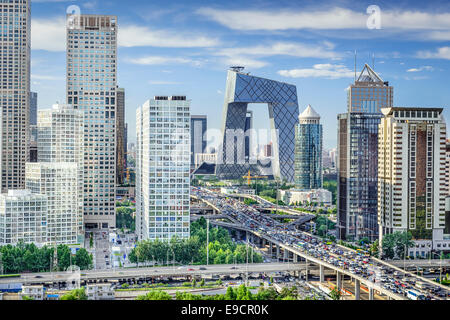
[[411, 176], [23, 216], [14, 91], [61, 140], [162, 168], [91, 88], [59, 182]]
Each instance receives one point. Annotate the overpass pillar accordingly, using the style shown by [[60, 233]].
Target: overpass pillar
[[321, 273], [306, 270], [295, 258], [338, 280], [277, 252], [370, 293], [357, 289], [285, 254]]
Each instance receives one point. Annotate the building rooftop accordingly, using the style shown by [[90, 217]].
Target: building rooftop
[[309, 113]]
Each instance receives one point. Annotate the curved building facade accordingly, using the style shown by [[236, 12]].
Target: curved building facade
[[308, 150], [281, 98]]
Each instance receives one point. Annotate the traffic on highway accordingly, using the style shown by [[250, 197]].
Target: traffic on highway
[[356, 262]]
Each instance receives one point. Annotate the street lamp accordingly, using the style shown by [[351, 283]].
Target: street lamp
[[440, 265]]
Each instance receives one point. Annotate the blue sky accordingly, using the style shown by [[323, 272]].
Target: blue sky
[[185, 47]]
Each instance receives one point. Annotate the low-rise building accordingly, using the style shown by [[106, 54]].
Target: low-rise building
[[100, 291], [33, 292], [294, 196]]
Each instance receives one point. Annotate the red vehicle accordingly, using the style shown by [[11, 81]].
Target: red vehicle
[[190, 269]]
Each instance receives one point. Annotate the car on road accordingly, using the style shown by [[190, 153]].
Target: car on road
[[190, 269]]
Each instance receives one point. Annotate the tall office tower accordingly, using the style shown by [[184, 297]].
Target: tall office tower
[[332, 155], [14, 91], [91, 88], [120, 137], [23, 217], [198, 136], [33, 157], [163, 168], [59, 182], [125, 145], [268, 150], [33, 108], [357, 156], [308, 151], [447, 166], [411, 177], [60, 140]]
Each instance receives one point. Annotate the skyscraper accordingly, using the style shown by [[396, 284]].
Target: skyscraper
[[308, 150], [199, 125], [14, 91], [33, 108], [163, 168], [357, 164], [411, 177], [91, 88], [60, 140], [120, 137]]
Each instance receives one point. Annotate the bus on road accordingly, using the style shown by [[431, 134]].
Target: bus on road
[[415, 295]]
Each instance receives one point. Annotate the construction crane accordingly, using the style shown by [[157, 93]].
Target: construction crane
[[249, 178]]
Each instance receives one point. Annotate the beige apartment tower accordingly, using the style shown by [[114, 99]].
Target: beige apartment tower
[[91, 88], [14, 92], [411, 176]]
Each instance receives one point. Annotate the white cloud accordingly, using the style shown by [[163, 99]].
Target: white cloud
[[441, 53], [160, 82], [46, 77], [328, 71], [424, 68], [331, 19], [159, 60], [48, 34], [243, 61], [137, 36], [282, 48]]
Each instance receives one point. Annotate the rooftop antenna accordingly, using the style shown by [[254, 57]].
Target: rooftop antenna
[[373, 61], [355, 65]]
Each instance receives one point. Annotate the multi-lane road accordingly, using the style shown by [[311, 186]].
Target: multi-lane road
[[173, 271], [377, 274]]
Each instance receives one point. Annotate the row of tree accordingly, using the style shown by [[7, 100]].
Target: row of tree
[[222, 250], [240, 293], [30, 258]]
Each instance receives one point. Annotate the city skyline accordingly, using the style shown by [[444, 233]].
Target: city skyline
[[312, 55]]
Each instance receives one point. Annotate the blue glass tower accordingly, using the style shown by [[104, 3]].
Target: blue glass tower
[[308, 151]]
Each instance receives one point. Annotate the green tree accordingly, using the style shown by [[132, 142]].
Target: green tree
[[77, 294], [83, 259], [230, 294], [335, 294], [155, 295]]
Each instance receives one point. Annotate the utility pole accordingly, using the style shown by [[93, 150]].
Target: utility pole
[[1, 264], [207, 242]]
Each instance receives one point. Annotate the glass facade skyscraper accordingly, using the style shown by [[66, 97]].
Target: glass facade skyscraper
[[163, 168], [199, 125], [14, 91], [308, 150], [357, 164], [91, 88]]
